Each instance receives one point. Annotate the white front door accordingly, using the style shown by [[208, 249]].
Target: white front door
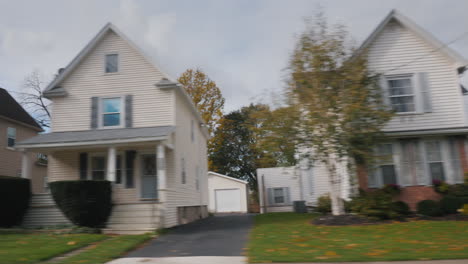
[[148, 176], [228, 200]]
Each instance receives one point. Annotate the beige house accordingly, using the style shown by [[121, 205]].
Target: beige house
[[226, 194], [117, 117], [17, 125]]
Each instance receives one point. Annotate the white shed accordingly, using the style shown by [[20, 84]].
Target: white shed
[[226, 194]]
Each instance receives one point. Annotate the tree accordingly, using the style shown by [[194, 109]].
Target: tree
[[33, 100], [236, 150], [334, 102], [206, 96]]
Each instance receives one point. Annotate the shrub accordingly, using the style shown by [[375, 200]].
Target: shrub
[[440, 186], [450, 204], [429, 208], [464, 210], [401, 208], [392, 189], [375, 204], [84, 203], [15, 194], [324, 204]]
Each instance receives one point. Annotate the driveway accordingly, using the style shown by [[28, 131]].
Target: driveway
[[225, 235]]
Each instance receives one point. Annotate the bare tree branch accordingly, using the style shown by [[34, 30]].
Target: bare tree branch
[[33, 100]]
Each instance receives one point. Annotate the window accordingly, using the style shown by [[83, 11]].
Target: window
[[386, 166], [434, 160], [412, 166], [41, 159], [112, 63], [11, 136], [183, 174], [401, 93], [98, 168], [278, 196], [111, 112], [118, 169]]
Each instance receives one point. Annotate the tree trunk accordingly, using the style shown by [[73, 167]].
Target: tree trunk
[[334, 180]]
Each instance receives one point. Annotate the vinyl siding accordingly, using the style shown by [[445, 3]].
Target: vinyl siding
[[136, 76], [195, 154], [396, 46], [219, 183], [276, 178], [10, 160]]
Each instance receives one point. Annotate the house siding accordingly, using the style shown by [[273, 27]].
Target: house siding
[[195, 155], [398, 47], [277, 178], [136, 76], [10, 159]]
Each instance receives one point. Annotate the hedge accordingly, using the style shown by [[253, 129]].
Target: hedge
[[429, 208], [15, 195], [84, 203]]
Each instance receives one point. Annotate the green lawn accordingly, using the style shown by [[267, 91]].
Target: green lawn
[[32, 248], [289, 237], [108, 250]]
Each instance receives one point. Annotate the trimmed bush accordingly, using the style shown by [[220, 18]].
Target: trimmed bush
[[401, 207], [15, 195], [324, 204], [450, 204], [429, 208], [375, 204], [84, 203]]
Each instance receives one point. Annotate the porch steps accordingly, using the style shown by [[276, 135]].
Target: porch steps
[[43, 212], [133, 219]]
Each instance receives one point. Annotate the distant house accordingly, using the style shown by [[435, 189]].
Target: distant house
[[116, 116], [427, 138], [17, 125]]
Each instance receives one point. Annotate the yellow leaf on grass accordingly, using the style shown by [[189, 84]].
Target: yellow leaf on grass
[[71, 243], [330, 253]]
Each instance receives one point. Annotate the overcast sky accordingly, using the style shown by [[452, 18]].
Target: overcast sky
[[242, 45]]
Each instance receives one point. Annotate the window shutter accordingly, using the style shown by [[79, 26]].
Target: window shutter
[[129, 110], [425, 91], [83, 165], [94, 112], [287, 198], [129, 165], [270, 196], [384, 88], [455, 163], [372, 175]]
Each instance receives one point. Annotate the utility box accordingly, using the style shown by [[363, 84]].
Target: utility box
[[300, 207]]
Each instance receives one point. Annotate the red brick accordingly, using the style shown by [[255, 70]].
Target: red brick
[[414, 194]]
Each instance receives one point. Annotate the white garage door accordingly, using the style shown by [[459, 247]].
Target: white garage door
[[228, 200]]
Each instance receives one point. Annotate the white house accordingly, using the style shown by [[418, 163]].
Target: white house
[[117, 116], [226, 194], [427, 138]]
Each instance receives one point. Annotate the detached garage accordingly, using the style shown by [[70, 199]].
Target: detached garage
[[226, 194]]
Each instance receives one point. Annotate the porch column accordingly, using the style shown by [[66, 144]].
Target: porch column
[[161, 166], [25, 165], [111, 153], [161, 182]]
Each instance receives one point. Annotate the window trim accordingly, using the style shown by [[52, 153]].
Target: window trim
[[89, 175], [414, 87], [444, 160], [8, 137], [105, 63], [101, 113]]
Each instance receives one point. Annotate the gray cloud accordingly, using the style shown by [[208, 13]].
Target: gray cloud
[[243, 45]]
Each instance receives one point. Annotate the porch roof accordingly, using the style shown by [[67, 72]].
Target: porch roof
[[97, 137]]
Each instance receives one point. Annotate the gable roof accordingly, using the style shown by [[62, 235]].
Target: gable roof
[[11, 109], [459, 60], [227, 177], [54, 89]]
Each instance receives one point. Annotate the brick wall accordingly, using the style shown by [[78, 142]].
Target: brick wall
[[414, 194]]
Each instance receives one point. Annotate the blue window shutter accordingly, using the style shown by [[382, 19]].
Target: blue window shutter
[[270, 196], [384, 88], [83, 165], [287, 197], [129, 110], [94, 112], [425, 91]]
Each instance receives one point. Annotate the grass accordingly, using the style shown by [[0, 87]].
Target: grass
[[289, 237], [35, 247], [108, 249]]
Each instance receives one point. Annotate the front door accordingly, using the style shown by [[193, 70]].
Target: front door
[[148, 176]]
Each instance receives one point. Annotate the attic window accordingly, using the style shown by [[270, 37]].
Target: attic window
[[112, 63]]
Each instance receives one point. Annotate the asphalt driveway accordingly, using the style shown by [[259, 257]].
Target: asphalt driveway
[[225, 235]]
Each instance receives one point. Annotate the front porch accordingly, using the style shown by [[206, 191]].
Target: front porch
[[138, 171]]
